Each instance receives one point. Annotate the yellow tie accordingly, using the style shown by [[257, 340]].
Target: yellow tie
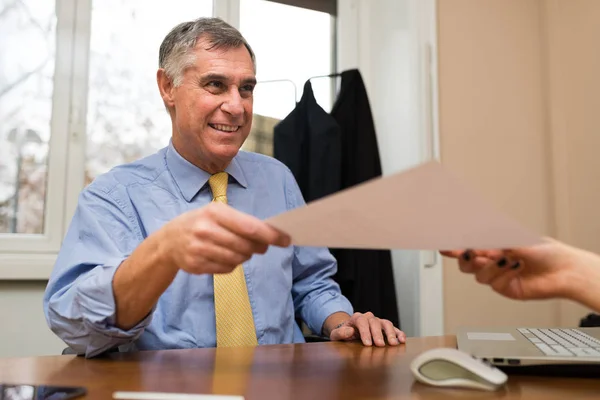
[[235, 324]]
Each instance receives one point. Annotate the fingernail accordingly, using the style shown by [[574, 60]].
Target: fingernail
[[467, 255], [368, 342], [516, 265], [502, 262]]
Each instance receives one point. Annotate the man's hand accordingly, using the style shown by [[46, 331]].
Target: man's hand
[[216, 238], [369, 329], [210, 240]]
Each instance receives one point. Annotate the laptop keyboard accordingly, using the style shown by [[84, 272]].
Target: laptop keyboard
[[563, 342]]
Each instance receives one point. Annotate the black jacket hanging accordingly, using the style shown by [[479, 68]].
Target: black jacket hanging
[[308, 142], [365, 276], [327, 153]]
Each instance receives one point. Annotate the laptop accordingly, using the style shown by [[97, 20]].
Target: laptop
[[534, 349]]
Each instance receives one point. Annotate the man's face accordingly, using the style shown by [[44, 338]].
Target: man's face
[[213, 106]]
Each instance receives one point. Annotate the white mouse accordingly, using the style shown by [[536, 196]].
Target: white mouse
[[448, 367]]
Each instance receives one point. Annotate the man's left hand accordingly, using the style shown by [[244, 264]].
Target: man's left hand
[[370, 329]]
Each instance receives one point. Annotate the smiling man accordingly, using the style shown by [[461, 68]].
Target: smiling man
[[171, 251]]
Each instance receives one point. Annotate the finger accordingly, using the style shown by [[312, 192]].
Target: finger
[[390, 332], [247, 226], [475, 263], [507, 283], [361, 323], [485, 275], [217, 254], [343, 333], [470, 254], [222, 237], [376, 328], [204, 266], [400, 335], [451, 253]]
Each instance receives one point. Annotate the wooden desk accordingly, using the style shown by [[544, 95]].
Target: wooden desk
[[308, 371]]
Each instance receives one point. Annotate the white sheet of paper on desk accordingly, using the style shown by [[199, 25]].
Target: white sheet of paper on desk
[[424, 208]]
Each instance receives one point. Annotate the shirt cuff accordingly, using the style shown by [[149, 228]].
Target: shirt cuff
[[96, 301], [323, 306]]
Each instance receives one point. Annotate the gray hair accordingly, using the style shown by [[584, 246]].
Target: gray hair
[[175, 55]]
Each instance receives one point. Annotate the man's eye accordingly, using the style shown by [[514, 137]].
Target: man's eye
[[248, 88], [216, 84]]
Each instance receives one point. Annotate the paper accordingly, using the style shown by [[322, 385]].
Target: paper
[[490, 336], [424, 208]]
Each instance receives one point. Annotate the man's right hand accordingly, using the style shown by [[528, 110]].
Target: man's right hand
[[216, 238]]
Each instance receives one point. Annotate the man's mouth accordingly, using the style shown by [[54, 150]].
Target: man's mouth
[[224, 128]]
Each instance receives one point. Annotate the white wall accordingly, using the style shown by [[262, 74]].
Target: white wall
[[390, 59], [23, 329]]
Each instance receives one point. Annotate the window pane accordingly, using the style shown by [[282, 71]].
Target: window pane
[[126, 117], [291, 44], [27, 50]]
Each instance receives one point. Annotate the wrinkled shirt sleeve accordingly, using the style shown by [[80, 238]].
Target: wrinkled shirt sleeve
[[316, 295], [79, 304]]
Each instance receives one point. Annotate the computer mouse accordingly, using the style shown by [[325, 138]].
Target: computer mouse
[[446, 367]]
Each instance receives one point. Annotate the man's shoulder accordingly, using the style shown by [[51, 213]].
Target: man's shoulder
[[138, 172]]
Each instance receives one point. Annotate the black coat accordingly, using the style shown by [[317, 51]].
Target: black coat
[[365, 276], [330, 152], [308, 141]]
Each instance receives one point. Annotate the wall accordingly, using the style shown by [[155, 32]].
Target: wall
[[23, 327], [380, 38], [573, 27], [517, 107]]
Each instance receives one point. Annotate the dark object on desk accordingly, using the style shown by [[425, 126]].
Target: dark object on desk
[[41, 392], [559, 371], [591, 320]]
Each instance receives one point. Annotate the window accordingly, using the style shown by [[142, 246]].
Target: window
[[78, 96], [27, 39], [126, 118], [291, 45]]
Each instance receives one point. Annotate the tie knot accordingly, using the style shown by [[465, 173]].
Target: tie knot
[[218, 186]]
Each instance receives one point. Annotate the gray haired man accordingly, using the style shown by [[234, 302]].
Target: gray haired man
[[171, 251]]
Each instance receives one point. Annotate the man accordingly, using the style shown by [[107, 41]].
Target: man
[[152, 257]]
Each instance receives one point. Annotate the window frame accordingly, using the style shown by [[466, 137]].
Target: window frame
[[27, 254]]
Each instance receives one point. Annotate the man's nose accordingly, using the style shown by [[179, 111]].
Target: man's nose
[[233, 105]]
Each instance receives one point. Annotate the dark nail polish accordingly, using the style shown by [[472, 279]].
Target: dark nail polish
[[467, 255], [516, 265], [502, 262]]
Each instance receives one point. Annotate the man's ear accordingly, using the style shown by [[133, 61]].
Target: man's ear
[[165, 85]]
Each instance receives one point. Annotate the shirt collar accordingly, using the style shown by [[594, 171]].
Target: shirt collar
[[190, 179]]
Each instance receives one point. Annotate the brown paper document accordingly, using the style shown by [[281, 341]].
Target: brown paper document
[[424, 208]]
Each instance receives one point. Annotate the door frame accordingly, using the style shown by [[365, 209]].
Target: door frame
[[402, 53]]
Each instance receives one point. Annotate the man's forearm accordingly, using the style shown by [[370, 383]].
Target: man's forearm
[[140, 280]]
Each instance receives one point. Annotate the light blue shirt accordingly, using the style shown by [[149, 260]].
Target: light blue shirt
[[119, 209]]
